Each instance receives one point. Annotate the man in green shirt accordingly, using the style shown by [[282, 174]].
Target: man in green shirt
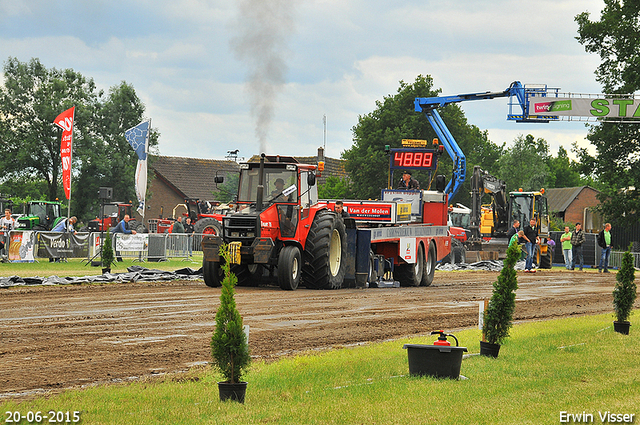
[[604, 240], [566, 247]]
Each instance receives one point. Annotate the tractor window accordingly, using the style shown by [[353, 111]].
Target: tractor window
[[275, 181], [40, 210], [309, 195], [521, 207]]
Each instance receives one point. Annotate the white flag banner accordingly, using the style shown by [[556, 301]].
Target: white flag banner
[[138, 138]]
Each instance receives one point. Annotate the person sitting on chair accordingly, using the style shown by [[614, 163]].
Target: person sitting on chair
[[408, 182]]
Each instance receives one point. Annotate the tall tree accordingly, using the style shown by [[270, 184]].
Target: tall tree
[[615, 38], [106, 159], [395, 119], [524, 165], [30, 99], [563, 172]]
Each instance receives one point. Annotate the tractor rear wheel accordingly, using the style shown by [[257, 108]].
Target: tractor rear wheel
[[208, 226], [429, 266], [289, 268], [212, 273], [411, 274], [325, 252]]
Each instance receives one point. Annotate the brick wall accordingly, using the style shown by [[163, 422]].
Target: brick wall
[[160, 194], [586, 198]]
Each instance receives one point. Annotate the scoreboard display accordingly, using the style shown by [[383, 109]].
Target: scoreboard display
[[414, 159]]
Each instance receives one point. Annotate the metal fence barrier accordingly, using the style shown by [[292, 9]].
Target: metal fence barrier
[[615, 260], [29, 246]]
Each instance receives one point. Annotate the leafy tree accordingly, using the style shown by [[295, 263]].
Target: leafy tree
[[106, 159], [616, 163], [30, 99], [524, 165], [395, 119], [334, 188], [564, 172]]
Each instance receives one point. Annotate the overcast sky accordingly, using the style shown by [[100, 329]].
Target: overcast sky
[[260, 75]]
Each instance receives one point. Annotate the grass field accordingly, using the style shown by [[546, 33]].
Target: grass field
[[545, 370], [78, 267]]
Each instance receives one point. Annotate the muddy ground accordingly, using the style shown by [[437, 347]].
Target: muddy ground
[[57, 337]]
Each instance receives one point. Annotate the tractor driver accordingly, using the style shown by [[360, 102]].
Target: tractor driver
[[277, 195]]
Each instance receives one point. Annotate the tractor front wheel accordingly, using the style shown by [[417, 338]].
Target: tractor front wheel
[[289, 268], [213, 273]]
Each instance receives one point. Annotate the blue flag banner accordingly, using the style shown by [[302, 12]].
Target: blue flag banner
[[138, 138]]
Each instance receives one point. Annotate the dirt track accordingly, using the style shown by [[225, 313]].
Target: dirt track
[[62, 337]]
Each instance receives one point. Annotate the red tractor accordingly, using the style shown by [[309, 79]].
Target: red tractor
[[204, 221], [113, 213], [280, 228]]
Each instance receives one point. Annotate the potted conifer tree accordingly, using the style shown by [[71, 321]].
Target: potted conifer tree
[[107, 254], [229, 346], [498, 318], [624, 293]]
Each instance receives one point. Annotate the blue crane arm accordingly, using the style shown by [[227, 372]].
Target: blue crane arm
[[429, 106]]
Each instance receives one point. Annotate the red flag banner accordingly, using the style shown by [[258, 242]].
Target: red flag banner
[[65, 121]]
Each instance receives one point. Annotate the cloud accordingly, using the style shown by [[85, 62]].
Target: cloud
[[334, 57]]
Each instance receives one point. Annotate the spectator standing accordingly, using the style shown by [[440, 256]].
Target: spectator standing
[[531, 233], [604, 241], [339, 209], [408, 182], [179, 242], [123, 227], [7, 224], [513, 230], [566, 247], [189, 229], [577, 239]]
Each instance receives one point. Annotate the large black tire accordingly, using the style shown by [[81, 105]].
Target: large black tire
[[429, 266], [325, 252], [289, 268], [208, 226], [248, 275], [457, 253], [411, 274], [213, 273], [372, 278]]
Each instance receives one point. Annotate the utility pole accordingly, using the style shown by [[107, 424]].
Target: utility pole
[[324, 122]]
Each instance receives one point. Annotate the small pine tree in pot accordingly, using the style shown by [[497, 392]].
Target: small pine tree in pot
[[107, 254], [498, 318], [624, 293], [229, 346]]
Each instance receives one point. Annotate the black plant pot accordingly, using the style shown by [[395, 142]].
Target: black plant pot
[[233, 392], [489, 350], [440, 361], [621, 327], [106, 270]]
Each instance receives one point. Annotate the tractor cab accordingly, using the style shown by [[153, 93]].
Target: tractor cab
[[40, 215]]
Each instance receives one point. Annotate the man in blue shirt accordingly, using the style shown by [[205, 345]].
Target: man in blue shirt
[[62, 226], [123, 227]]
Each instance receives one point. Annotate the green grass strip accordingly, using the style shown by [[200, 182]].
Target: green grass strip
[[578, 366]]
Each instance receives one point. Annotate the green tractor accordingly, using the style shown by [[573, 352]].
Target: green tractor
[[40, 215]]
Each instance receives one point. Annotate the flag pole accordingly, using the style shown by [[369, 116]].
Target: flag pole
[[73, 121]]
